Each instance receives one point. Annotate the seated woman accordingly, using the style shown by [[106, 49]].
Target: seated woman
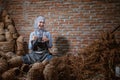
[[40, 42]]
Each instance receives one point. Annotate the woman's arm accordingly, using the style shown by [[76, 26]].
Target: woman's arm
[[49, 43], [32, 41]]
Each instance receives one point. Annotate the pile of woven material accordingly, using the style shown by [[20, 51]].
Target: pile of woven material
[[100, 58], [97, 62], [11, 45]]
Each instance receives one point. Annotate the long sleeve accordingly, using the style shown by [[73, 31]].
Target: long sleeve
[[49, 44], [47, 34], [30, 39]]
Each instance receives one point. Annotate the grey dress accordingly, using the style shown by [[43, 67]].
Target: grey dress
[[39, 49], [39, 53]]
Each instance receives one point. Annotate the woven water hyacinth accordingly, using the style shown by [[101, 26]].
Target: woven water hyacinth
[[11, 28], [2, 38], [3, 65], [8, 36], [7, 46], [25, 68], [2, 28], [1, 25], [1, 54], [15, 62], [9, 55], [58, 69], [15, 35], [11, 74], [50, 73], [20, 46], [2, 31], [36, 72], [8, 19], [4, 13]]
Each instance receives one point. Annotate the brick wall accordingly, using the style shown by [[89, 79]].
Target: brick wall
[[74, 24]]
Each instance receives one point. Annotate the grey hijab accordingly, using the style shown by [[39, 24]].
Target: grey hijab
[[39, 32]]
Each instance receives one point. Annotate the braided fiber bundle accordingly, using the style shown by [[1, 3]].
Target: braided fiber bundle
[[20, 46], [11, 74], [36, 72], [2, 32], [2, 38], [59, 69], [7, 46], [97, 62], [7, 55], [100, 58], [11, 28], [3, 65], [25, 68], [8, 19], [1, 25], [8, 36], [4, 13], [15, 62]]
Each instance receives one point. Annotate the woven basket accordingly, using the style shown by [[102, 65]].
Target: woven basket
[[3, 66], [20, 46], [8, 19], [1, 25], [2, 38], [4, 13], [9, 55], [7, 46], [15, 62], [11, 74], [36, 72], [11, 28], [50, 73], [15, 35], [2, 31], [8, 36]]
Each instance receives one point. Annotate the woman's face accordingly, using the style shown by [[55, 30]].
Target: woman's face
[[41, 25]]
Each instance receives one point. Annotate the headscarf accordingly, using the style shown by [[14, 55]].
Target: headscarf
[[37, 20], [39, 32]]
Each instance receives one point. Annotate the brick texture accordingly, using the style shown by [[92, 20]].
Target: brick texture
[[74, 24]]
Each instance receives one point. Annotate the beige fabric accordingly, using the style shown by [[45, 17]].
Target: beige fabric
[[8, 19], [11, 28], [7, 46], [1, 25], [2, 38], [15, 62], [3, 65], [36, 71], [8, 36], [4, 13], [20, 46], [11, 74], [15, 35], [2, 31]]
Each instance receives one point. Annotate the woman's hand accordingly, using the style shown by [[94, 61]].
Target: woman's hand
[[34, 38], [45, 39]]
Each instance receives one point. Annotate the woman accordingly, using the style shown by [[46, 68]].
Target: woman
[[40, 43]]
